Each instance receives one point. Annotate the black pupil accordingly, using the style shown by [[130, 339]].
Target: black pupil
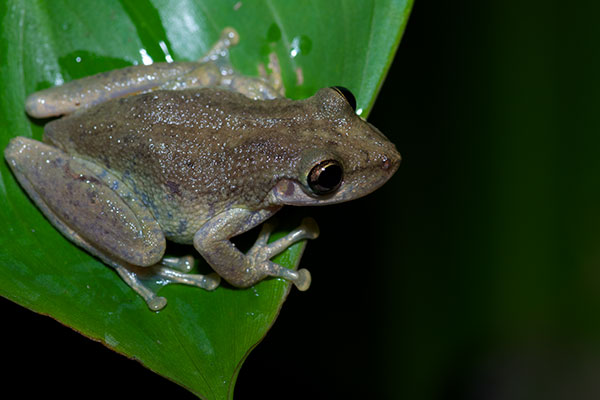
[[325, 177]]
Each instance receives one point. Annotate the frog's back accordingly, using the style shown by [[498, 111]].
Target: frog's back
[[187, 152]]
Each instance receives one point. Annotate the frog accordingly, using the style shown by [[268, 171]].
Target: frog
[[194, 153]]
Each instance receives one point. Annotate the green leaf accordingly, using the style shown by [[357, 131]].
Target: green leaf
[[201, 339]]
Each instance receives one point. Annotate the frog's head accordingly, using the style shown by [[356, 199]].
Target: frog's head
[[343, 157]]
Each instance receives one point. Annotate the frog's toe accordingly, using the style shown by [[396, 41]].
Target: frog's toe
[[169, 275], [146, 281], [230, 37], [156, 303], [303, 280], [308, 229], [261, 253], [212, 281], [220, 50], [263, 237], [300, 278], [183, 264], [131, 277]]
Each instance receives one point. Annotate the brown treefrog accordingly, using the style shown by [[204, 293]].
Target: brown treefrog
[[195, 153]]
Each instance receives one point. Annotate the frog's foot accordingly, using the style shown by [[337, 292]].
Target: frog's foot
[[261, 252], [140, 279], [215, 69], [273, 78], [183, 264], [220, 50], [130, 277], [218, 55]]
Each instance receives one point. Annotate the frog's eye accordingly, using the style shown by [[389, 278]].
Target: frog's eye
[[325, 177], [346, 94]]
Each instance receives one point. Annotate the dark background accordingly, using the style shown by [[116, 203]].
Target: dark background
[[473, 274]]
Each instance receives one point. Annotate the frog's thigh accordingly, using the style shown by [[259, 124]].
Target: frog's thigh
[[82, 207]]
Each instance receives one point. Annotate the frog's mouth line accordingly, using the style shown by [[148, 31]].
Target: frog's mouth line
[[293, 193]]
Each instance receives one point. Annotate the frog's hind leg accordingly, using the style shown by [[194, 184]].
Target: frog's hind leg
[[100, 214], [77, 201]]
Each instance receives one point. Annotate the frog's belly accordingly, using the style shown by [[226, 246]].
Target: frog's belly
[[180, 225], [180, 230], [180, 215]]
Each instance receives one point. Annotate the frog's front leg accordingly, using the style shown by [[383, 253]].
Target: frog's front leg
[[243, 270]]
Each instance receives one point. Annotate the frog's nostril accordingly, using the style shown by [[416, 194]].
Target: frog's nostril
[[386, 164], [390, 163]]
